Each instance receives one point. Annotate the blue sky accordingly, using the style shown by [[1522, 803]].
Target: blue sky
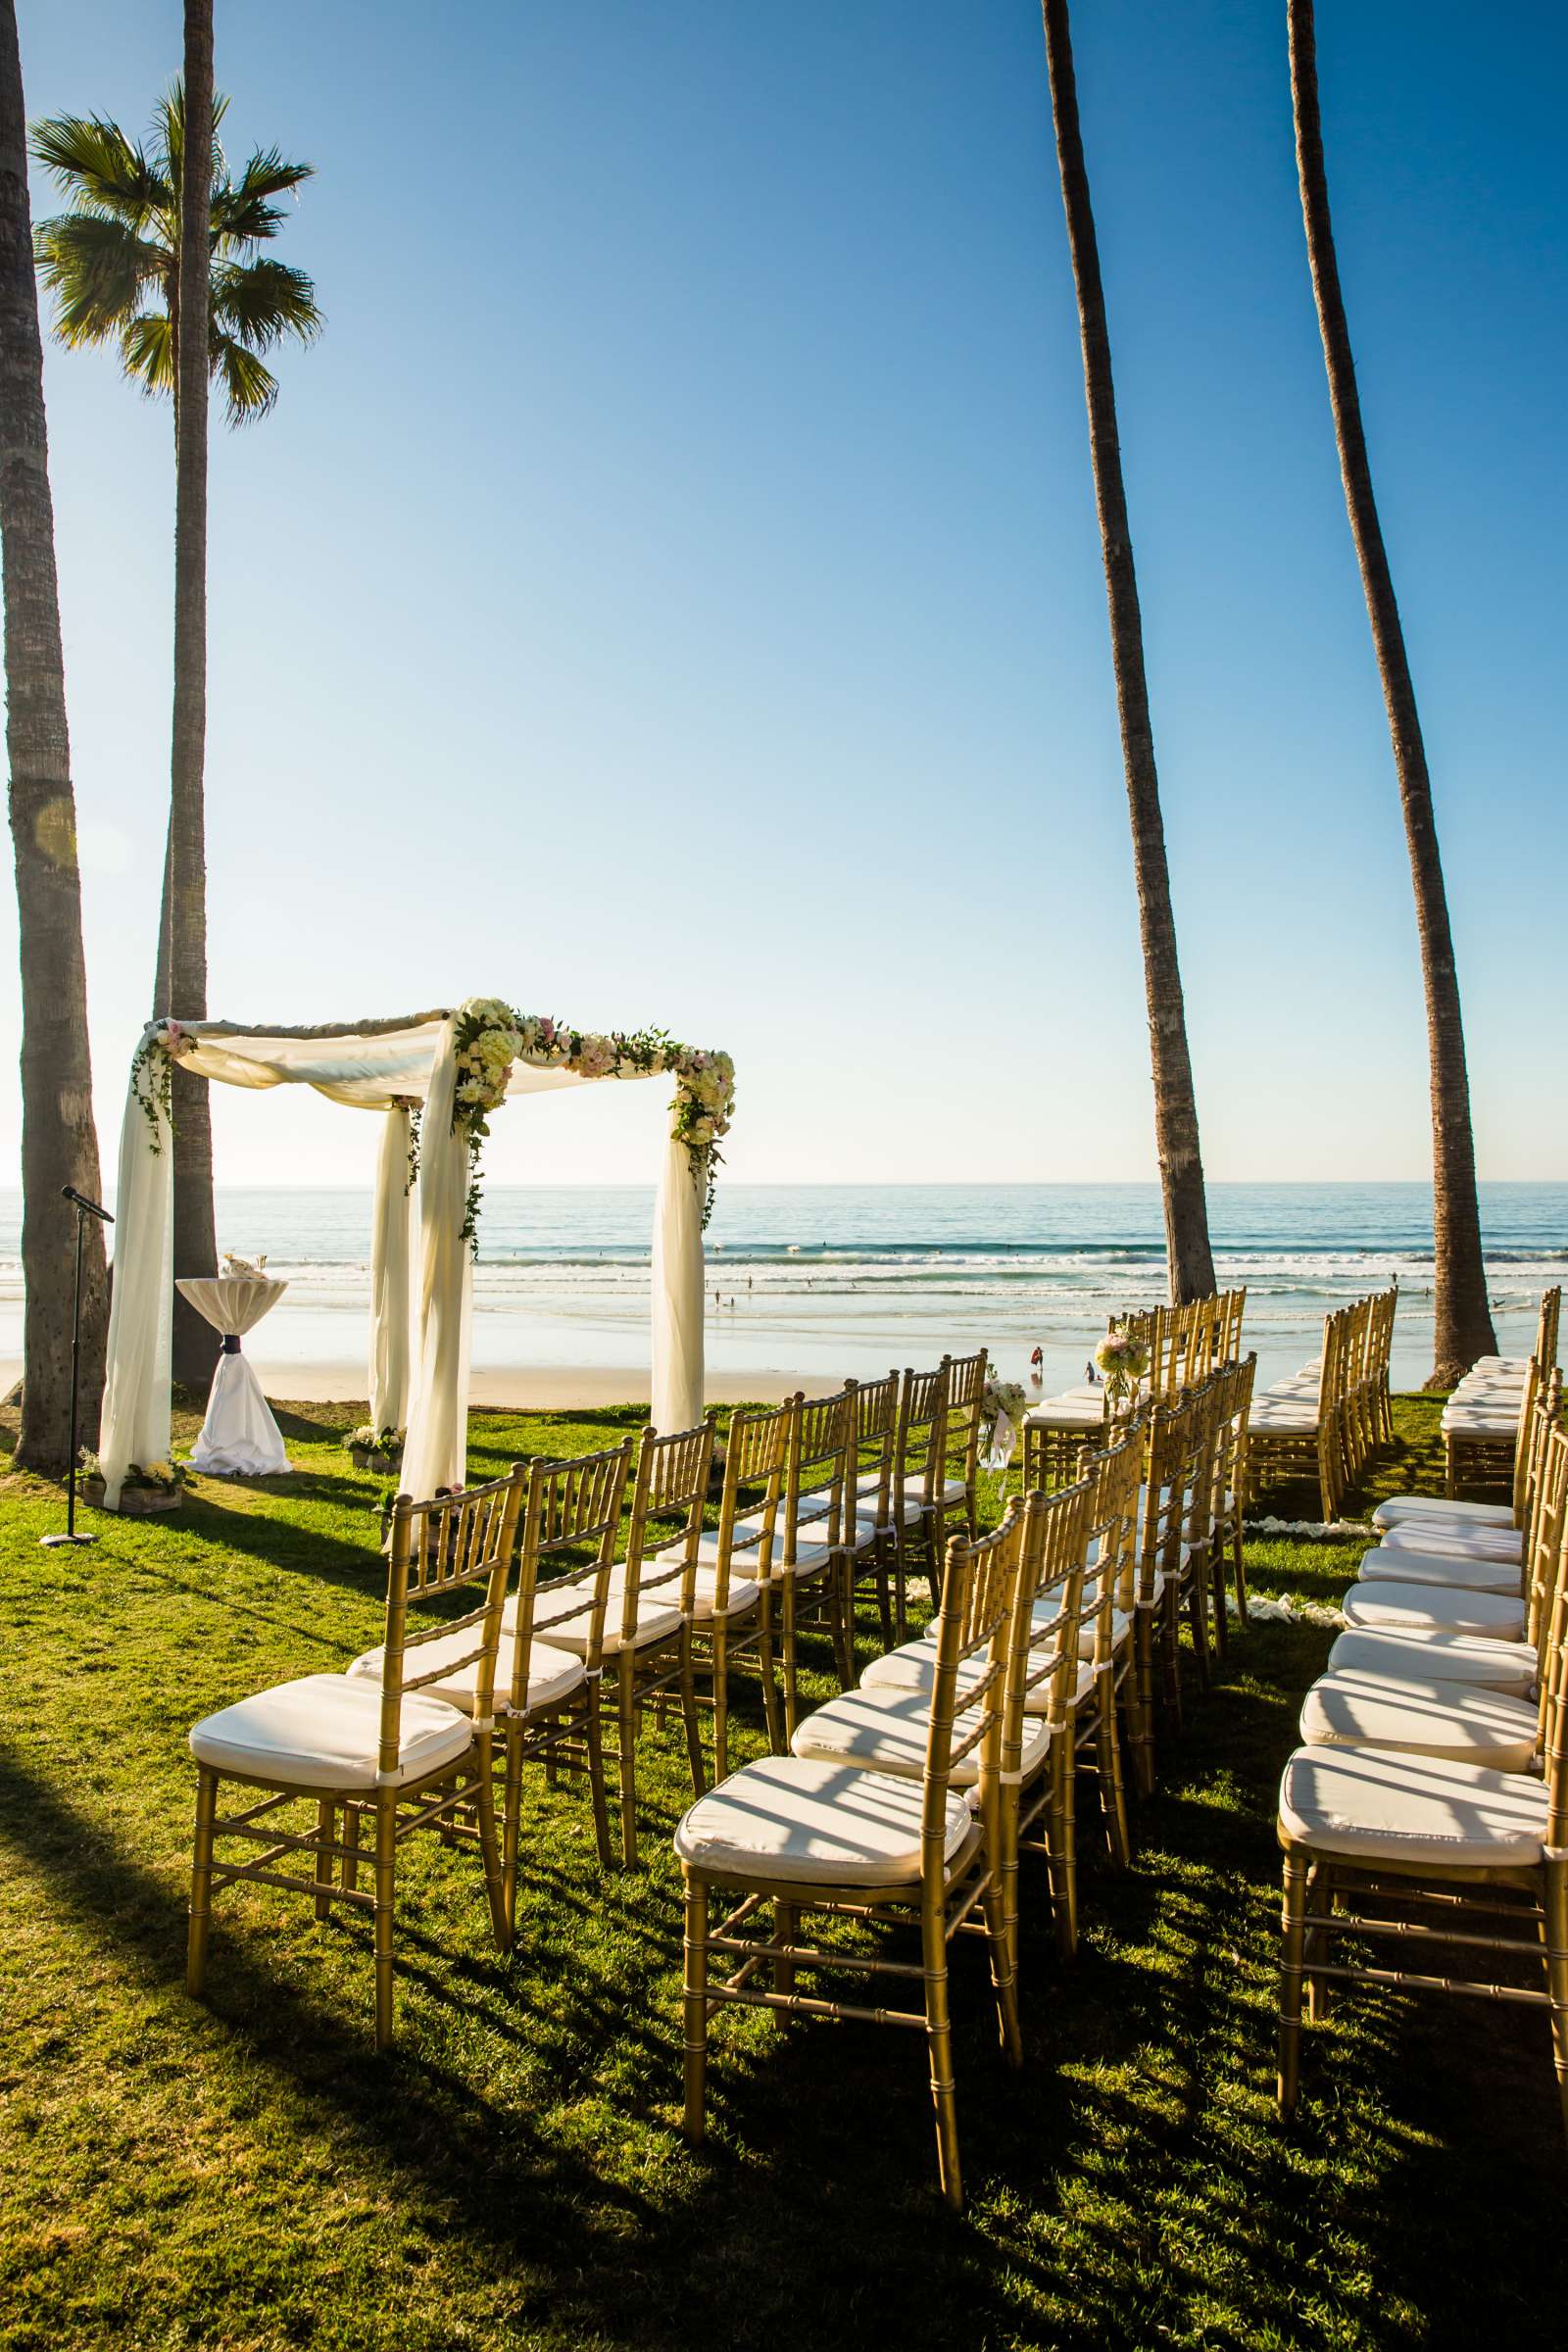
[[670, 591]]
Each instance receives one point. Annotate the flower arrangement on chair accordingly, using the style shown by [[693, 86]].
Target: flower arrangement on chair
[[1002, 1410], [1123, 1359]]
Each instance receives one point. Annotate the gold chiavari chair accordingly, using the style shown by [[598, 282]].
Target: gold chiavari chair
[[1372, 1836], [1227, 1556], [381, 1749], [548, 1707], [644, 1640], [871, 1498], [954, 1498], [816, 1536], [918, 1455], [727, 1584], [1157, 1585], [796, 1835]]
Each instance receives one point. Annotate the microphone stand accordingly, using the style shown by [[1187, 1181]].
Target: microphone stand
[[83, 1208]]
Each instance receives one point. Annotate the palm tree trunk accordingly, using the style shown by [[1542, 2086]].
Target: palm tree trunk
[[58, 1141], [1181, 1166], [1463, 1315], [182, 930]]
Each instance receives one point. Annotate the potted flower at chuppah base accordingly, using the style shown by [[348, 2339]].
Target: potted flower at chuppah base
[[1123, 1359], [148, 1486], [372, 1449]]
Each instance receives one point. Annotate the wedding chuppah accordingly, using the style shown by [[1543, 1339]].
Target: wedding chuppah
[[435, 1078]]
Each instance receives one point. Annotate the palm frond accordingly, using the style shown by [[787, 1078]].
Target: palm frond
[[169, 131], [98, 270], [147, 350], [243, 212], [249, 388], [93, 163], [261, 302]]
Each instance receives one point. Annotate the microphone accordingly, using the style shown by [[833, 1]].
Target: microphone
[[69, 1192]]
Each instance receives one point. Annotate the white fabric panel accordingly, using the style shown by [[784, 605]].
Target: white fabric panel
[[436, 1450], [389, 1276], [677, 1295], [134, 1427], [365, 1071]]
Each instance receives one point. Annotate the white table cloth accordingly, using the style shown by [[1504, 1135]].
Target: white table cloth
[[240, 1438]]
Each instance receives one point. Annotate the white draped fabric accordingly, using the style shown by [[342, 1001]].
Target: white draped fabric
[[240, 1438], [677, 1287], [419, 1379], [389, 1276], [134, 1427]]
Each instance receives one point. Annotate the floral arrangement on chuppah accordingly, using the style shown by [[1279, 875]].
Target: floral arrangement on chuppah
[[1002, 1411], [491, 1036], [1123, 1359], [152, 1074]]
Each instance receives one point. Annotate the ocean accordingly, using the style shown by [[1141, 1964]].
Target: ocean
[[834, 1280]]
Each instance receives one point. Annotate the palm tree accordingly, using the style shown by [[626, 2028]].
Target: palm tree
[[1463, 1315], [59, 1143], [123, 270], [1181, 1165]]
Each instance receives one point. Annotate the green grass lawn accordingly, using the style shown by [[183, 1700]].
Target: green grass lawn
[[249, 2174]]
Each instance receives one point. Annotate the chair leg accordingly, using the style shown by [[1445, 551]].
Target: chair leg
[[1239, 1570], [201, 1881], [883, 1598], [696, 2003], [1218, 1582], [900, 1589], [1107, 1758], [720, 1701], [511, 1826], [1003, 1973], [594, 1741], [1293, 1937], [626, 1735], [1064, 1856], [385, 1877], [326, 1823], [791, 1691], [688, 1712], [939, 2048], [351, 1847], [1170, 1652], [772, 1711], [1141, 1701], [484, 1805], [1198, 1613], [1555, 1906], [786, 1922]]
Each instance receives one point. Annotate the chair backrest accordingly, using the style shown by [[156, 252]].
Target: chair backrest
[[1548, 1513], [1043, 1659], [570, 1522], [671, 1484], [1547, 1327], [756, 1453], [875, 1444], [1553, 1652], [1115, 1476], [1527, 1444], [920, 1447], [976, 1622], [819, 1472], [468, 1538], [1167, 1450], [966, 1394]]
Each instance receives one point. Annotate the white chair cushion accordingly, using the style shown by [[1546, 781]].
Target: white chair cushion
[[1428, 1718], [658, 1615], [913, 1667], [743, 1592], [1377, 1805], [810, 1823], [1399, 1507], [1452, 1538], [1285, 1415], [886, 1731], [553, 1674], [324, 1731], [1466, 1658], [1068, 1413], [1455, 1573], [1405, 1608]]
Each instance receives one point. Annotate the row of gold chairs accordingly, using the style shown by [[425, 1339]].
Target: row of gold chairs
[[915, 1798], [1427, 1808], [590, 1593], [1326, 1421], [1483, 1418], [1184, 1345]]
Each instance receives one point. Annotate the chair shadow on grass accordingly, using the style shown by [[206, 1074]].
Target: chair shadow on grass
[[1129, 2184]]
